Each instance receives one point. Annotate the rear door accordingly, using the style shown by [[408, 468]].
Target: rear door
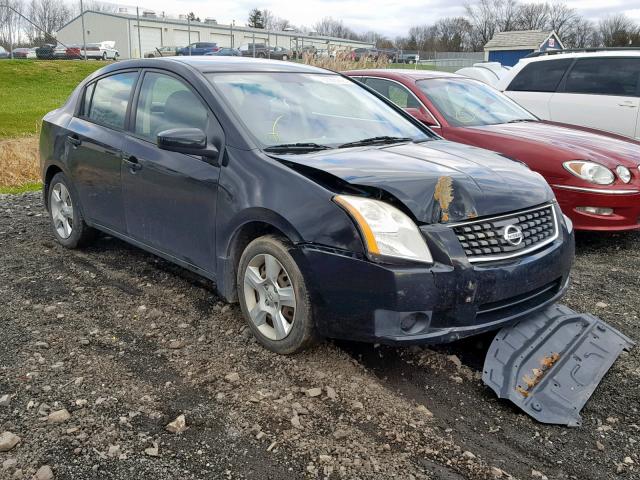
[[169, 197], [535, 84], [94, 144], [601, 93]]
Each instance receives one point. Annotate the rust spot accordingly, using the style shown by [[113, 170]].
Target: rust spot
[[443, 194], [531, 381]]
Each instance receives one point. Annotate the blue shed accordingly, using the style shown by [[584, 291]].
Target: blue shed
[[509, 47]]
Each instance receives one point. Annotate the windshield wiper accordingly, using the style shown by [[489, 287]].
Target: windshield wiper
[[519, 120], [296, 147], [384, 140]]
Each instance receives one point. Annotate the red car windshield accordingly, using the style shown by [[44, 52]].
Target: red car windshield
[[469, 103]]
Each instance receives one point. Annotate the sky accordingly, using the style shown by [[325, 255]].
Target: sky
[[392, 18]]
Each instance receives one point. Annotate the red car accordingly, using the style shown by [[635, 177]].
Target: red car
[[595, 175]]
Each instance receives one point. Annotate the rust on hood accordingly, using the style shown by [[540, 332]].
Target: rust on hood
[[443, 194]]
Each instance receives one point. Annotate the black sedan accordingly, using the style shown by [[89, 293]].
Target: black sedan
[[319, 206]]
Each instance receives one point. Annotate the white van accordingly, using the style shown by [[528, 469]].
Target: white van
[[598, 89]]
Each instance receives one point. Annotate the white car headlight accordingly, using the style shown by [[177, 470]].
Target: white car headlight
[[386, 231], [590, 171], [623, 173]]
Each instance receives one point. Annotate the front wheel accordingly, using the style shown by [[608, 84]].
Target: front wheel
[[274, 297], [67, 223], [104, 56]]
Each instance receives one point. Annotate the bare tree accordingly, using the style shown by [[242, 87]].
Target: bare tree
[[453, 34], [50, 16], [273, 22], [11, 24], [533, 16], [619, 31], [331, 27]]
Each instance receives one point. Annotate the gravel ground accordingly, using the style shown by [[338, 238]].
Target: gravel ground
[[103, 348]]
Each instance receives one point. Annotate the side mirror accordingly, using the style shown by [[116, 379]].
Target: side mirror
[[191, 141], [423, 115]]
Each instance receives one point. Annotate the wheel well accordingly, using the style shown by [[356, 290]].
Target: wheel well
[[51, 172], [243, 237]]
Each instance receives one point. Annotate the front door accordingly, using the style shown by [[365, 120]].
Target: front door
[[94, 149], [169, 197]]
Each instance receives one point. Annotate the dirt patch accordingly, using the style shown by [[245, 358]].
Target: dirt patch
[[19, 161], [126, 342]]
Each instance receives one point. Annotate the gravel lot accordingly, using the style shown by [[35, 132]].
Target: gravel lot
[[126, 342]]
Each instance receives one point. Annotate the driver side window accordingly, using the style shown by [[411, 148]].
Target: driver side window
[[398, 94], [166, 102]]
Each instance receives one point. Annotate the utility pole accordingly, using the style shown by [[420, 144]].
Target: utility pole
[[139, 39], [189, 32], [84, 33], [10, 34]]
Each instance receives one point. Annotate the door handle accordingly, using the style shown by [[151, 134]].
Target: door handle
[[132, 162], [74, 140], [627, 104]]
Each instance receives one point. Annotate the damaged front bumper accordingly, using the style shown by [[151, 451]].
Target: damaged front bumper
[[550, 363], [356, 299]]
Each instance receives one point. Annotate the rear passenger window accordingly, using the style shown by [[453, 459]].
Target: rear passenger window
[[110, 99], [542, 76], [398, 94], [605, 76], [166, 102]]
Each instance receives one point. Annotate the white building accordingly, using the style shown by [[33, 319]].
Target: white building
[[156, 31]]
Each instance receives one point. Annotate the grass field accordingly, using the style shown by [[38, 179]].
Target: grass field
[[29, 89]]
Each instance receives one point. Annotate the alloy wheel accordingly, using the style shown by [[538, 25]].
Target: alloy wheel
[[62, 210], [269, 296]]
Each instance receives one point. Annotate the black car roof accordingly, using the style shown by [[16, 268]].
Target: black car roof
[[208, 63]]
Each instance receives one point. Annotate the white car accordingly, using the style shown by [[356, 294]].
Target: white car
[[596, 89], [487, 72], [102, 51]]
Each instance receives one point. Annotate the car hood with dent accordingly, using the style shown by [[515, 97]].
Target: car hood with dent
[[438, 181], [578, 143]]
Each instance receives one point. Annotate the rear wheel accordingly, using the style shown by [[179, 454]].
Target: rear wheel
[[274, 297], [104, 56], [67, 222]]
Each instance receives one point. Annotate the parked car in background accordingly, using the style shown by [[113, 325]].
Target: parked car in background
[[487, 72], [280, 53], [322, 209], [24, 52], [225, 52], [258, 50], [95, 51], [199, 48], [51, 52], [365, 53], [594, 175], [165, 51], [3, 53], [597, 89], [403, 57]]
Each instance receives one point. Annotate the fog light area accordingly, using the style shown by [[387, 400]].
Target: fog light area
[[595, 210]]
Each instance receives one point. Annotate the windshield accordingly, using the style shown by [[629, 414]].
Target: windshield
[[313, 109], [468, 103]]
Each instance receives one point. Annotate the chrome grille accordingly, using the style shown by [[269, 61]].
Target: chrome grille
[[485, 240]]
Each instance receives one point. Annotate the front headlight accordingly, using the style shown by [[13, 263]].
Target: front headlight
[[623, 173], [386, 231], [590, 171]]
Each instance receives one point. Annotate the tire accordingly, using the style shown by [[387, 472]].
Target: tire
[[104, 56], [261, 55], [262, 291], [80, 233]]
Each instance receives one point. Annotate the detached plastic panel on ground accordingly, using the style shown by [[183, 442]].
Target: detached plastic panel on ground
[[551, 363]]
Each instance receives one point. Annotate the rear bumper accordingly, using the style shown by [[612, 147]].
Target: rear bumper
[[626, 209], [356, 299]]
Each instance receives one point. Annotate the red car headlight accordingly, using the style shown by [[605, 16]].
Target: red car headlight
[[590, 171]]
